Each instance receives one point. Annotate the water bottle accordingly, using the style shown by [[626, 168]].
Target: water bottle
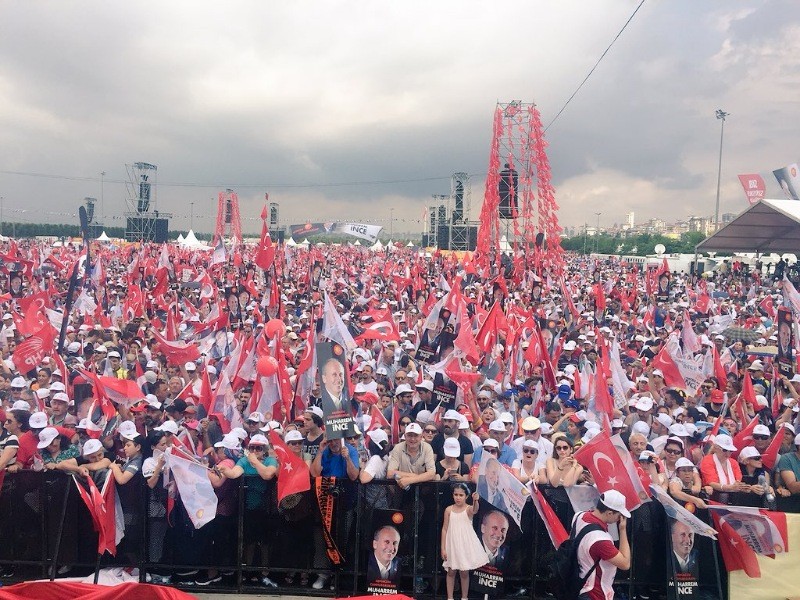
[[397, 477], [762, 481]]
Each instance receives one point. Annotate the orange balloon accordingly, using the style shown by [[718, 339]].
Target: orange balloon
[[267, 366], [275, 328]]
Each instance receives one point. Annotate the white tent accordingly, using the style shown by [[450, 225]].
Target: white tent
[[504, 245], [767, 226], [191, 241], [377, 246], [291, 243], [358, 243], [305, 243], [103, 237], [409, 245], [180, 239]]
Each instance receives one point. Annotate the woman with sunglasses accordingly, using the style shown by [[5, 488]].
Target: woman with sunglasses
[[562, 470], [673, 450], [429, 432], [259, 516], [525, 470], [753, 473]]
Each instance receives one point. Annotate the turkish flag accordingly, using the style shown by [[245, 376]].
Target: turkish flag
[[177, 353], [738, 556], [611, 465], [465, 341], [770, 456], [492, 324], [265, 255], [30, 353], [744, 437], [121, 391], [719, 370], [293, 475], [378, 325], [462, 379], [672, 375], [378, 420], [555, 528]]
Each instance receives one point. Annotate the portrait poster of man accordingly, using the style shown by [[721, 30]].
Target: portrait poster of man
[[15, 284], [383, 551], [496, 531], [683, 560], [316, 275], [232, 305], [426, 352], [662, 293], [444, 391], [333, 385], [785, 342]]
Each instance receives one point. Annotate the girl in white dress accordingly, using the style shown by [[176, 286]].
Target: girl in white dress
[[462, 551]]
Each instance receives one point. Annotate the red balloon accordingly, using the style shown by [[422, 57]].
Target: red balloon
[[275, 328], [267, 366]]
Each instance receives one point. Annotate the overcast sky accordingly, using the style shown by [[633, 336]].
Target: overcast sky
[[292, 98]]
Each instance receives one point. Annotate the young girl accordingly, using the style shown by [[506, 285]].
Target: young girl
[[462, 551]]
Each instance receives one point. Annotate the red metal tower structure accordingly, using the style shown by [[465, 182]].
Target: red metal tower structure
[[229, 224], [519, 201]]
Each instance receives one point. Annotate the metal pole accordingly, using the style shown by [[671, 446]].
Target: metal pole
[[391, 223], [102, 205], [721, 114], [597, 234], [191, 215]]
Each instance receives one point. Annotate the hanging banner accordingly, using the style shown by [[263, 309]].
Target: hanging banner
[[789, 181], [359, 230], [754, 187]]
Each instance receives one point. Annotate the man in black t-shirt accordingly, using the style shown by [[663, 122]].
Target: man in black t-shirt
[[450, 423]]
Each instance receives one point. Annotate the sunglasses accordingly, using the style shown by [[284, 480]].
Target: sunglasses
[[755, 458], [673, 451], [490, 450], [405, 422], [562, 447], [431, 431], [351, 437], [257, 448], [529, 451], [761, 437], [297, 443]]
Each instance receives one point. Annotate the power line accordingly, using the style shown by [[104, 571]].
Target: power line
[[232, 185], [602, 56]]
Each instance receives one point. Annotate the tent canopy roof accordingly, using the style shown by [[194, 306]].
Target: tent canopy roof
[[767, 226]]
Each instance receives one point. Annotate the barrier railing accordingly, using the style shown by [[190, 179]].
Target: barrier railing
[[45, 531]]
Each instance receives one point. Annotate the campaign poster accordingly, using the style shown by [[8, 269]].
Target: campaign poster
[[15, 284], [384, 551], [232, 305], [444, 391], [336, 405], [754, 187], [789, 180], [316, 275], [683, 561], [785, 342], [662, 293], [427, 350]]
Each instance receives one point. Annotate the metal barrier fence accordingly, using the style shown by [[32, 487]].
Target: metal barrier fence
[[45, 530]]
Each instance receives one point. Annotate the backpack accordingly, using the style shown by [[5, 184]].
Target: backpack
[[565, 580]]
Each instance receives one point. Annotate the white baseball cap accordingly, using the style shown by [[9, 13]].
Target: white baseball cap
[[168, 427], [759, 430], [258, 439], [293, 436], [413, 428], [403, 388], [92, 446], [452, 448], [725, 442], [748, 452], [425, 384], [38, 420], [230, 441], [46, 437], [452, 415], [378, 436], [497, 425], [615, 501]]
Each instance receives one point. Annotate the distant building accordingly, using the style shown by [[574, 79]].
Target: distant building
[[629, 220], [728, 217]]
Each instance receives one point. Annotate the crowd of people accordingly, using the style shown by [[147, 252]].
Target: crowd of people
[[482, 358]]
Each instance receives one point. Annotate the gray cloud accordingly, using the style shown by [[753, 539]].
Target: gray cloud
[[319, 93]]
